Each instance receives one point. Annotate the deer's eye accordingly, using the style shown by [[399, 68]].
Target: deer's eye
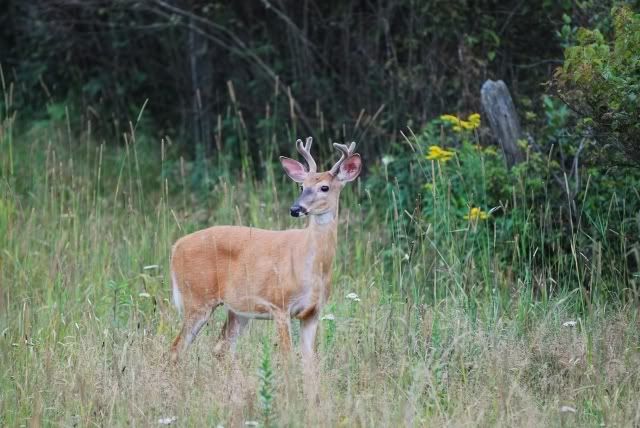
[[325, 188]]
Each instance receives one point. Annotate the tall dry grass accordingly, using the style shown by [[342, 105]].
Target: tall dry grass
[[440, 337]]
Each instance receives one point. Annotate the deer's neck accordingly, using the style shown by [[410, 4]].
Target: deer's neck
[[322, 236]]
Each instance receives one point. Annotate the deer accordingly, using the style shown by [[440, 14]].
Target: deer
[[265, 274]]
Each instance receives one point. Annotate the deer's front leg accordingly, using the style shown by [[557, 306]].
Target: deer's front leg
[[308, 329], [283, 323]]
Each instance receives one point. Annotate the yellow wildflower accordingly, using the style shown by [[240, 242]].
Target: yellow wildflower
[[476, 214], [440, 154], [490, 150], [472, 122], [450, 118]]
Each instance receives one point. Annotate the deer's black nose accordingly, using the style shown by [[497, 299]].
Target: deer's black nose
[[297, 210]]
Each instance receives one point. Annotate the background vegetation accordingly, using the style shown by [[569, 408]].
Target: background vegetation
[[352, 69], [487, 295]]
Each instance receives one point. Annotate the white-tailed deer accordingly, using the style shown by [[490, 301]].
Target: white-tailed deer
[[266, 274]]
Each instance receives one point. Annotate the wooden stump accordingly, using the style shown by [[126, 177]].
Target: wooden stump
[[501, 113]]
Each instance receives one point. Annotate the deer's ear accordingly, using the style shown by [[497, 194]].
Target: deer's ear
[[350, 168], [294, 169]]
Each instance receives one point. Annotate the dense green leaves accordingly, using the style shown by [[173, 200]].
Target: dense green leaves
[[600, 79], [328, 65]]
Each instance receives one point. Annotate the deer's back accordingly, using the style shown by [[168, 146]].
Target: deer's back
[[247, 269]]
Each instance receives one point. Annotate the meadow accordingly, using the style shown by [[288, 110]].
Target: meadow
[[457, 321]]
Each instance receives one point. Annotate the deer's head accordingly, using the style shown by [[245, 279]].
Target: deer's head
[[321, 190]]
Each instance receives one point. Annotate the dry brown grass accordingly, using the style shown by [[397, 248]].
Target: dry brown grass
[[85, 328], [380, 370]]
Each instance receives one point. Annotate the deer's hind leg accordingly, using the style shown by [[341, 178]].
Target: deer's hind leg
[[231, 331], [193, 322]]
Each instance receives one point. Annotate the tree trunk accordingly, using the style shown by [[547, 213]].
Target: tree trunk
[[503, 119], [201, 70]]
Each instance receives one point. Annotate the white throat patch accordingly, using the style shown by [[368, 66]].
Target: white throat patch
[[324, 218]]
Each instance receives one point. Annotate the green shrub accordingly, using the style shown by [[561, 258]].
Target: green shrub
[[600, 79], [550, 216]]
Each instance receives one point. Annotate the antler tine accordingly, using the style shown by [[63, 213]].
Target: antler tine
[[305, 151], [346, 152]]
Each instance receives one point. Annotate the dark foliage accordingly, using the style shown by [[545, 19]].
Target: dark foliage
[[344, 70]]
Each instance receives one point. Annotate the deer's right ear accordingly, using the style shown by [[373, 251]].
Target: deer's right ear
[[294, 169]]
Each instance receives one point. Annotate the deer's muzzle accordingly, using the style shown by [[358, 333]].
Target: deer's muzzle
[[298, 211]]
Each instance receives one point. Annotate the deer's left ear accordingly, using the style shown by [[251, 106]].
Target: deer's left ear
[[350, 168]]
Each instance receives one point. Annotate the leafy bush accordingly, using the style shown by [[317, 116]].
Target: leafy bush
[[600, 79], [550, 215]]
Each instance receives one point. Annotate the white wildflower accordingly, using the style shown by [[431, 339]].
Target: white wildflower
[[387, 159], [144, 295], [569, 324], [328, 317], [353, 296], [167, 421]]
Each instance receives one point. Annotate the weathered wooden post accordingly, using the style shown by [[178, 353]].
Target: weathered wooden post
[[499, 110]]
